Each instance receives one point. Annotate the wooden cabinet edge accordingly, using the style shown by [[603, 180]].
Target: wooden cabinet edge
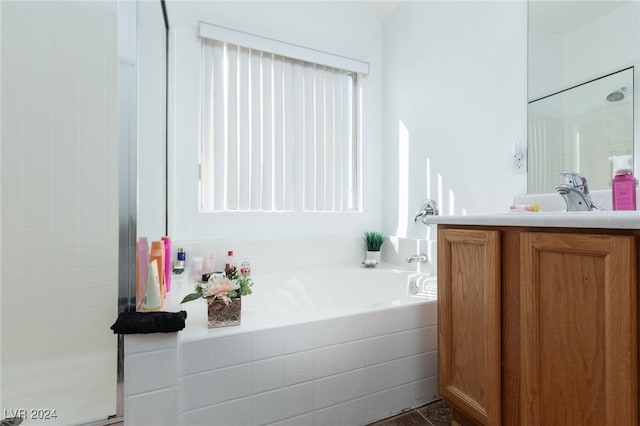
[[489, 244]]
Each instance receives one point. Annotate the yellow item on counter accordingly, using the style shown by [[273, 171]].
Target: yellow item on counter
[[524, 208]]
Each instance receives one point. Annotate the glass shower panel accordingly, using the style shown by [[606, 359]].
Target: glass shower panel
[[59, 217]]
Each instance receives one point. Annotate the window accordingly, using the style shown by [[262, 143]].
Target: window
[[278, 133]]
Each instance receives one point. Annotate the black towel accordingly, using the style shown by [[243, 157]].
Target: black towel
[[149, 322]]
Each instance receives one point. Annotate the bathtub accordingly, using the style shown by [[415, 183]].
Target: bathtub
[[338, 290], [339, 346]]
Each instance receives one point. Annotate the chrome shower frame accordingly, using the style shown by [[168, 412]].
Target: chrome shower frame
[[127, 183]]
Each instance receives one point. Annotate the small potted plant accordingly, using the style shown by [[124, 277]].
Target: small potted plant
[[373, 241], [223, 293]]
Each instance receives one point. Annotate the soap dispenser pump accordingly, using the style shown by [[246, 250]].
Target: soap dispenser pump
[[623, 184]]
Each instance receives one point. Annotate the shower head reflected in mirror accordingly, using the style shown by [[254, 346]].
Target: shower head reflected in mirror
[[617, 95]]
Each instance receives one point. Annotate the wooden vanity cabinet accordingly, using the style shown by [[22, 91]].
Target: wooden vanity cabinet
[[538, 326]]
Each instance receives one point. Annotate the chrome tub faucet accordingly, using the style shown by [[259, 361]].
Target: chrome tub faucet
[[421, 258], [428, 208]]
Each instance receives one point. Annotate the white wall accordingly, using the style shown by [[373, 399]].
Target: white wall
[[59, 208], [454, 105], [344, 28]]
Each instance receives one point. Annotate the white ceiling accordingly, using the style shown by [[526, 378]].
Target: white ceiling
[[561, 17]]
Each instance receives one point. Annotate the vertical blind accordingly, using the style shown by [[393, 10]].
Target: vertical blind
[[277, 134], [546, 152]]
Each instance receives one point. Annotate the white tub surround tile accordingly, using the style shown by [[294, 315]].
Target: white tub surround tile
[[380, 323], [150, 371], [354, 384], [197, 357], [232, 350], [267, 374], [304, 420], [352, 328], [377, 350], [353, 412], [401, 371], [423, 391], [198, 390], [293, 375], [407, 343], [378, 406], [232, 382], [267, 343], [326, 361], [298, 367], [324, 333], [298, 400], [157, 408], [233, 413], [267, 407], [353, 355], [326, 392], [327, 416], [140, 343], [298, 338], [398, 397], [378, 377]]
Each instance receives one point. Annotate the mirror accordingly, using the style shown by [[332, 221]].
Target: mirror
[[579, 129], [573, 47], [152, 30]]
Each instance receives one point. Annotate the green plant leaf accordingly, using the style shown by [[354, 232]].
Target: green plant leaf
[[374, 240], [190, 297], [245, 291]]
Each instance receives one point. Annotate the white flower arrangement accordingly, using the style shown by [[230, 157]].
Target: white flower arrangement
[[223, 287]]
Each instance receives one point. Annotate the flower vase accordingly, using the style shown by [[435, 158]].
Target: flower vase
[[223, 314], [374, 255]]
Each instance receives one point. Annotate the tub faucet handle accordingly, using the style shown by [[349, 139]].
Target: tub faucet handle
[[422, 258]]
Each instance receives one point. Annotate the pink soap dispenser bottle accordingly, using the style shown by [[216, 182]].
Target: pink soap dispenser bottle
[[623, 185]]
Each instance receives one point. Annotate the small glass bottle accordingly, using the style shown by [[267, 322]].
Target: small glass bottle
[[245, 268], [182, 255], [230, 265]]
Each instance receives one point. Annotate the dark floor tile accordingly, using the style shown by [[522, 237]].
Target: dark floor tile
[[412, 418], [438, 413]]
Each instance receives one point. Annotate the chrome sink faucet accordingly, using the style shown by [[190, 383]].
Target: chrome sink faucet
[[576, 192], [576, 180]]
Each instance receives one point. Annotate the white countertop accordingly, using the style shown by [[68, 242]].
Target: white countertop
[[555, 219]]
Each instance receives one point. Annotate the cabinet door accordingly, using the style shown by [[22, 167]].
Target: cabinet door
[[469, 322], [578, 322]]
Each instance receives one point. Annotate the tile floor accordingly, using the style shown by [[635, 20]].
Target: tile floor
[[433, 414]]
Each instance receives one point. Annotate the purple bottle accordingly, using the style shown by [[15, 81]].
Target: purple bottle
[[623, 185]]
